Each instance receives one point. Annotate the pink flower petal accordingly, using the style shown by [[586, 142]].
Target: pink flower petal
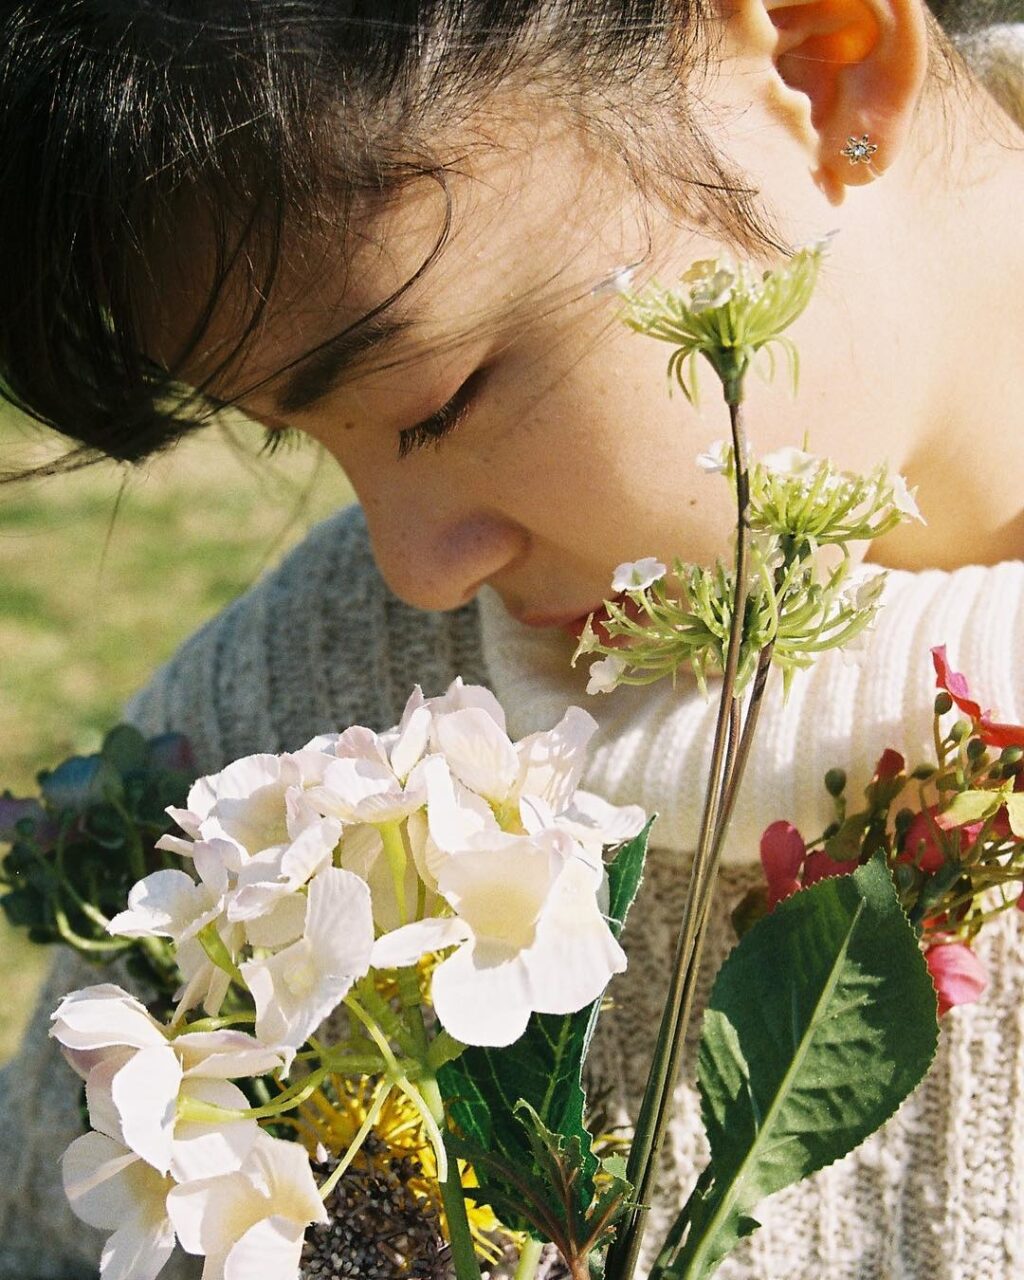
[[958, 974]]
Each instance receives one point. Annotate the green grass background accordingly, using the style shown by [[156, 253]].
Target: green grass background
[[102, 574]]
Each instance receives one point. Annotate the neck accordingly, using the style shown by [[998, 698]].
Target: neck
[[947, 238]]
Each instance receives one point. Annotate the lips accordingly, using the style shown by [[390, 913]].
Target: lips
[[573, 624]]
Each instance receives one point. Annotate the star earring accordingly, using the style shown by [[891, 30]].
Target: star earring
[[859, 150]]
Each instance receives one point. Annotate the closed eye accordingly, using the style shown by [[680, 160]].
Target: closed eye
[[432, 430]]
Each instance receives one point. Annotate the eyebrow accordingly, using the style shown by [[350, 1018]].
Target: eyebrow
[[316, 375]]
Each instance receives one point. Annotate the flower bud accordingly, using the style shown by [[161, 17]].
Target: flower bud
[[943, 703], [835, 782], [975, 749], [960, 731], [1011, 755], [923, 772]]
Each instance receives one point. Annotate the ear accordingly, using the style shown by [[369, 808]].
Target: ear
[[844, 68]]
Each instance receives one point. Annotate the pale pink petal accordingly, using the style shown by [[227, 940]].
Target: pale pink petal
[[478, 752], [404, 946], [145, 1093]]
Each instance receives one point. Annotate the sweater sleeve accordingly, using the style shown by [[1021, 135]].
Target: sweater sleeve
[[319, 644]]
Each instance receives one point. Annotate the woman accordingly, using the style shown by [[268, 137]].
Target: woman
[[394, 228]]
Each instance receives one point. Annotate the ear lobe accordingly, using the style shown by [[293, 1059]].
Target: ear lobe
[[860, 64]]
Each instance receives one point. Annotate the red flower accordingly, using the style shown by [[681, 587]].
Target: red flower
[[921, 845], [991, 732], [782, 855], [890, 765], [958, 974], [819, 866]]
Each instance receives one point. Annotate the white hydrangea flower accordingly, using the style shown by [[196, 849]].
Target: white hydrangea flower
[[299, 986], [138, 1081], [250, 1223], [637, 575], [112, 1189], [605, 674], [529, 935], [282, 870], [256, 802], [360, 784]]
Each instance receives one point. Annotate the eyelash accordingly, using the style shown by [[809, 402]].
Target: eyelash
[[432, 430]]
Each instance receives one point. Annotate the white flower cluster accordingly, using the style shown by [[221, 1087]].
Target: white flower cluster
[[359, 851]]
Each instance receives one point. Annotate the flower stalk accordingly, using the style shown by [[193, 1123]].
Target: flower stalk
[[729, 755]]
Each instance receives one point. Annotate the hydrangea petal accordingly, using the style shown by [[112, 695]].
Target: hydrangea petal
[[406, 945], [478, 752], [482, 1004], [204, 1150], [145, 1093], [271, 1250], [550, 764]]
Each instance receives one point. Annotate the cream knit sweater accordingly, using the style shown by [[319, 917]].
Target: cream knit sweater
[[320, 643]]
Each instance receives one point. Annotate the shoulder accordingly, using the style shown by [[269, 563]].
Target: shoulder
[[319, 643]]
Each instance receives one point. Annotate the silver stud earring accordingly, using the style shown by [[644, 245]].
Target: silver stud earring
[[859, 150]]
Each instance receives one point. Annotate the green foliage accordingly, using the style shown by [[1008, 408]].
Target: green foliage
[[487, 1089], [820, 1023], [76, 850]]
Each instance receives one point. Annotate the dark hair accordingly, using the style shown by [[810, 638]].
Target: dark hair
[[119, 117]]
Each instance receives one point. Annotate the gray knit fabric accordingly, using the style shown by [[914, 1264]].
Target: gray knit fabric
[[320, 644]]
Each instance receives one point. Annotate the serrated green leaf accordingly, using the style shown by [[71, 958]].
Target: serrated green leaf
[[820, 1023], [542, 1068]]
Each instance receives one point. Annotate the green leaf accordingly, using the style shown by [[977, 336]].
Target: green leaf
[[820, 1023], [1015, 812], [970, 806], [126, 749], [542, 1069]]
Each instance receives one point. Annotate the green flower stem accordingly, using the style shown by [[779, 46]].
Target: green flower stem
[[452, 1195], [652, 1121], [394, 848], [526, 1268], [211, 1024]]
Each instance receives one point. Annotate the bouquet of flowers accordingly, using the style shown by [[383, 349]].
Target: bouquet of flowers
[[379, 959]]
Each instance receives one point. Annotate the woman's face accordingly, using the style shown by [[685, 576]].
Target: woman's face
[[568, 455]]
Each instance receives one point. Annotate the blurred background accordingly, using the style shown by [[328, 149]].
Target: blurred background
[[102, 573]]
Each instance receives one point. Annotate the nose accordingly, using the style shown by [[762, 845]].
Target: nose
[[434, 556]]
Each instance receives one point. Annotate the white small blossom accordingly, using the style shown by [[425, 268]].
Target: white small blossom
[[637, 575], [295, 989], [795, 463], [250, 1222], [712, 283], [112, 1189], [904, 499], [716, 459], [605, 674]]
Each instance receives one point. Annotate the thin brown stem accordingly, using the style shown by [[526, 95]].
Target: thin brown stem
[[655, 1107]]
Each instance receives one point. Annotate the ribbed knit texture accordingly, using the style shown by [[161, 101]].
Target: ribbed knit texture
[[937, 1195]]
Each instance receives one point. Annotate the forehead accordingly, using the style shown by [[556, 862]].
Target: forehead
[[512, 225]]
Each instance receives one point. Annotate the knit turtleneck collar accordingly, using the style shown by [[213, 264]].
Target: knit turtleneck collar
[[653, 744]]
